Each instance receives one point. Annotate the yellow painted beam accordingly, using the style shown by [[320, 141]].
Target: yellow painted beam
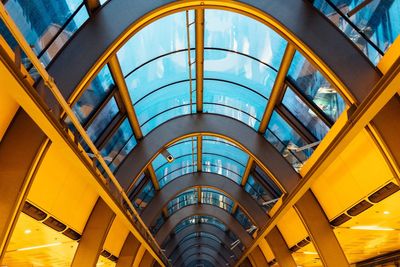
[[153, 177], [139, 256], [247, 171], [390, 57], [277, 89], [199, 153], [199, 22], [119, 79]]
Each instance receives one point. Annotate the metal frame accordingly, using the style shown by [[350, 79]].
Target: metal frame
[[219, 182], [201, 250], [207, 257], [222, 254]]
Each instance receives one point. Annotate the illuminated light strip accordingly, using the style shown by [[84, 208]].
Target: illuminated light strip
[[371, 228], [41, 246], [310, 252]]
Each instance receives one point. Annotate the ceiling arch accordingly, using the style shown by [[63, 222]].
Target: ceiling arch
[[200, 250], [212, 180], [206, 210], [199, 257]]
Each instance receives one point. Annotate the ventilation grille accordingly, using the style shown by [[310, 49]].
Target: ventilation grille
[[300, 244], [109, 256], [363, 205], [50, 221]]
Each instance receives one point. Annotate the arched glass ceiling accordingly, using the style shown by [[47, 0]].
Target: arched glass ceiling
[[200, 220], [199, 234], [184, 199]]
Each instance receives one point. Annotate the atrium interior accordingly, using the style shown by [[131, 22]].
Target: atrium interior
[[207, 133]]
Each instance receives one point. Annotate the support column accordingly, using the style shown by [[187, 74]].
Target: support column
[[279, 248], [258, 258], [128, 252], [139, 256], [320, 231], [147, 260], [94, 235], [21, 151]]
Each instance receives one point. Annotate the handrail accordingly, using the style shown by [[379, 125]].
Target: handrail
[[50, 83]]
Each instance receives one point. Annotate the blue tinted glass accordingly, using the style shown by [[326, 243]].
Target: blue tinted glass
[[119, 145], [233, 31], [184, 199], [259, 193], [145, 196], [159, 222], [183, 162], [242, 218], [41, 22], [234, 101], [163, 36], [285, 139], [315, 87], [198, 220], [103, 119], [304, 114], [240, 69], [94, 95], [224, 158], [216, 198]]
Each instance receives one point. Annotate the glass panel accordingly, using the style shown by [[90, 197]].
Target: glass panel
[[200, 219], [236, 32], [304, 114], [234, 101], [285, 139], [183, 162], [159, 222], [43, 23], [315, 87], [184, 199], [103, 119], [216, 198], [145, 196], [264, 197], [119, 145], [379, 21], [242, 218], [224, 158], [94, 95], [161, 37]]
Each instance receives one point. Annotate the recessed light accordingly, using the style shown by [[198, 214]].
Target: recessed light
[[386, 212], [28, 231], [371, 228], [310, 252]]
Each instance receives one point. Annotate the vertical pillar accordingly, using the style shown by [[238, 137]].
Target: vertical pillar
[[258, 257], [320, 231], [128, 252], [280, 249], [147, 260], [21, 150], [94, 235], [139, 256]]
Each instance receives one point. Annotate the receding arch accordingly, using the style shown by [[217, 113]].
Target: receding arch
[[171, 244], [197, 257], [296, 21], [219, 182], [254, 144], [206, 210], [200, 250], [201, 242]]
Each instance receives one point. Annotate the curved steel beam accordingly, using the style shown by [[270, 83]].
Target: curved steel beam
[[206, 210], [216, 181], [222, 251], [196, 257], [297, 21], [245, 137], [200, 250], [173, 242], [206, 263]]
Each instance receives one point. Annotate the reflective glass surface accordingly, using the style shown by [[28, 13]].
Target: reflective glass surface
[[159, 222], [260, 193], [224, 158], [315, 87], [185, 161], [198, 220], [94, 95], [184, 199], [285, 139], [47, 25], [304, 114], [161, 37], [242, 218], [216, 198], [145, 195], [119, 145], [379, 21]]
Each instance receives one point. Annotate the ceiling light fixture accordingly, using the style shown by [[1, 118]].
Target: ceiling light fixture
[[386, 212], [310, 252], [371, 228], [28, 231], [41, 246]]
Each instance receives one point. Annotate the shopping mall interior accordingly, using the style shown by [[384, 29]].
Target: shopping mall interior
[[206, 133]]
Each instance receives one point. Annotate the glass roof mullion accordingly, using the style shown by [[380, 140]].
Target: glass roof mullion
[[92, 6], [199, 23], [295, 124], [249, 167], [277, 90]]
